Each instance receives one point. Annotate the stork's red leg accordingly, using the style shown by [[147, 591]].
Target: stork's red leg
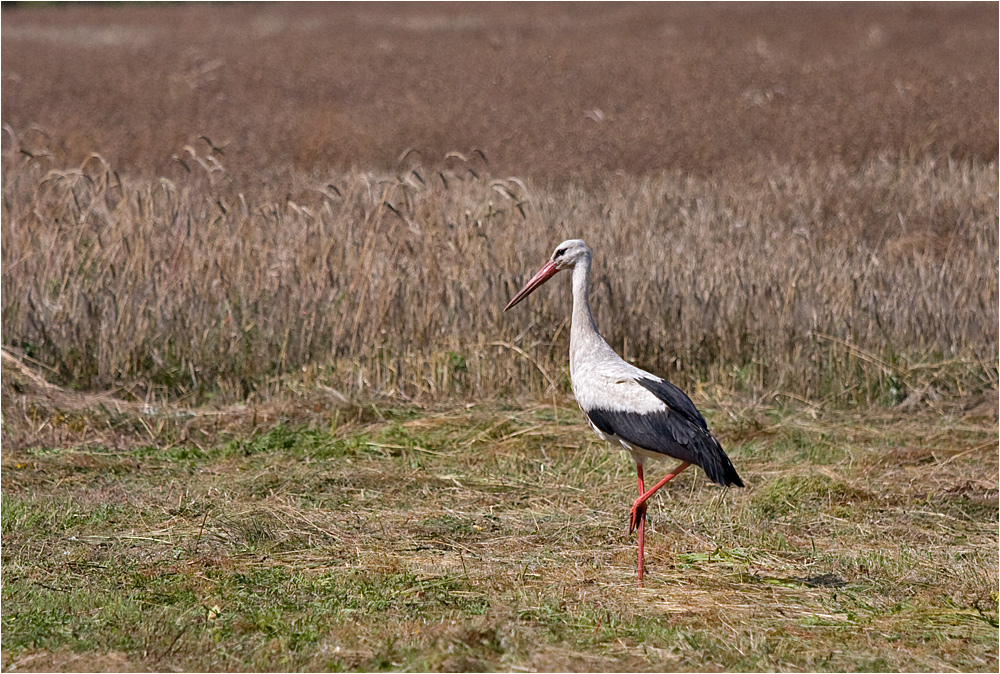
[[639, 507], [639, 514]]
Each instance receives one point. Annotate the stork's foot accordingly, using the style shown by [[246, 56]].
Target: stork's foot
[[636, 515]]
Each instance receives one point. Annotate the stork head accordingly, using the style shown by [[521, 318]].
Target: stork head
[[566, 255]]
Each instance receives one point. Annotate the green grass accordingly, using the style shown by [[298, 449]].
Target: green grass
[[494, 537]]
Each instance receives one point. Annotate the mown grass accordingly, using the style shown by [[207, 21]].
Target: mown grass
[[494, 537]]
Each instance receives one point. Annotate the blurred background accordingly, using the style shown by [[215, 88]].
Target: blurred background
[[558, 92]]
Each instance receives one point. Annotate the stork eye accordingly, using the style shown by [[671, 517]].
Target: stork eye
[[560, 252]]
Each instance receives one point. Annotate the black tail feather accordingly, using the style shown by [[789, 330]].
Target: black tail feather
[[730, 477], [718, 467]]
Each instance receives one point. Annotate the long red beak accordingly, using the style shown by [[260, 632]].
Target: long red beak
[[543, 275]]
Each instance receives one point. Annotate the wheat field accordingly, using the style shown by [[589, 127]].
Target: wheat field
[[858, 285]]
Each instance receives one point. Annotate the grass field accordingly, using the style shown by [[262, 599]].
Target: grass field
[[487, 537], [261, 409]]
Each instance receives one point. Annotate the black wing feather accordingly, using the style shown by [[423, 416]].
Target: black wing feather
[[674, 398], [601, 421], [679, 431]]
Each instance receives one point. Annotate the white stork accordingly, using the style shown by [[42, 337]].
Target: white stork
[[648, 415]]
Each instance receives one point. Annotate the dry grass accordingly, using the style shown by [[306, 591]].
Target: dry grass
[[820, 281], [202, 201]]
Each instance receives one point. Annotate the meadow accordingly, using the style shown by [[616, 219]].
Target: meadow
[[262, 408], [311, 535]]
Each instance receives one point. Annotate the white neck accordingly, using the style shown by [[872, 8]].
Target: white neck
[[583, 319], [583, 335]]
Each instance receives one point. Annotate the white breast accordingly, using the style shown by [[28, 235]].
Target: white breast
[[610, 384]]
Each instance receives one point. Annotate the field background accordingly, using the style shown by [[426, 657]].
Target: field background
[[261, 408]]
